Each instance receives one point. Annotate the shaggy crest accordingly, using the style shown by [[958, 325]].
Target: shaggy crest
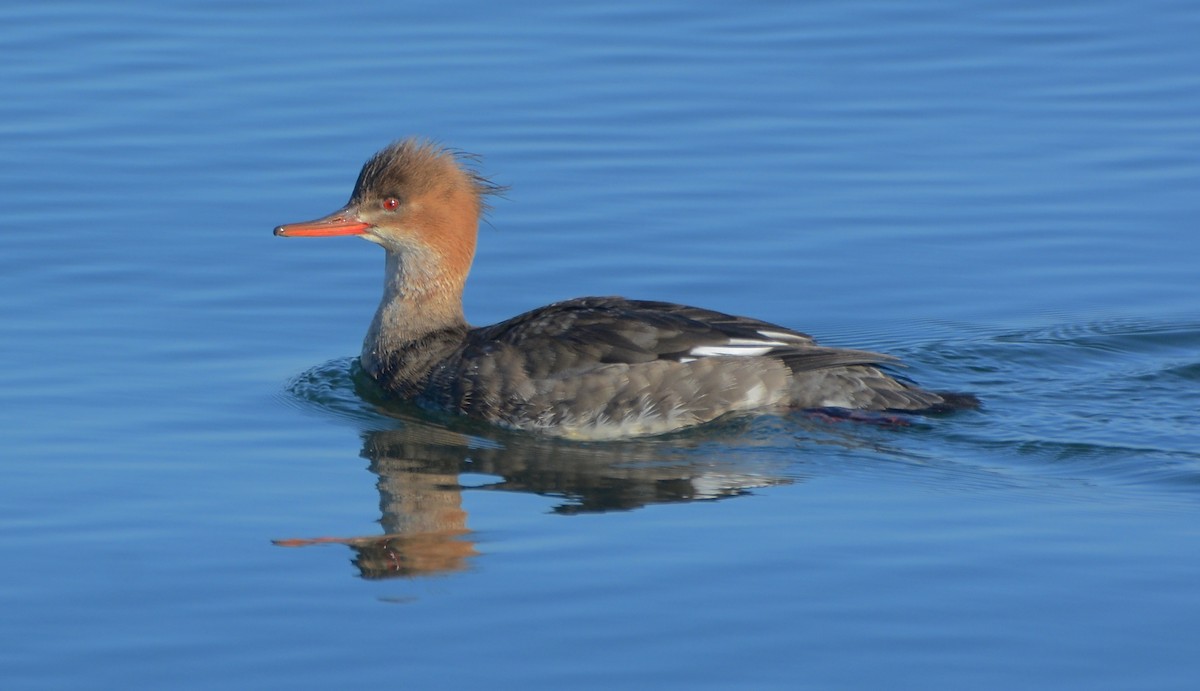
[[421, 166]]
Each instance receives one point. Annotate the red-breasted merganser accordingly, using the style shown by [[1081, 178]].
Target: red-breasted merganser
[[588, 368]]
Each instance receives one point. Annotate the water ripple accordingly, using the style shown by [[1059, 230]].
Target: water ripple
[[1102, 401]]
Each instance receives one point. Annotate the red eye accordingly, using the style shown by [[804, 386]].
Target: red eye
[[391, 204]]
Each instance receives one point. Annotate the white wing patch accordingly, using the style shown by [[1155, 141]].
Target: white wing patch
[[705, 351], [745, 347]]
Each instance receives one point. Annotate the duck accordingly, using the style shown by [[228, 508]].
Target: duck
[[589, 368]]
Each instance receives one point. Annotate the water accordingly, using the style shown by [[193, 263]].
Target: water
[[198, 493]]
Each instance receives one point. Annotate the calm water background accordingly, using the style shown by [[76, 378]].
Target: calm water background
[[1006, 195]]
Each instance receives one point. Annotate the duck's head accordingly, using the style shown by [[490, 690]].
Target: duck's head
[[413, 198]]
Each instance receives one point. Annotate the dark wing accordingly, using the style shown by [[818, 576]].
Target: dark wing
[[571, 336]]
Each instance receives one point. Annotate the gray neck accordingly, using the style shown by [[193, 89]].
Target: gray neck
[[415, 302]]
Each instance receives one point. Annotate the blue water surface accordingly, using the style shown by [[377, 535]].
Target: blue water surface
[[200, 491]]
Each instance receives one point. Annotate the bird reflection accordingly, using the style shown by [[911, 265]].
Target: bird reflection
[[421, 465]]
